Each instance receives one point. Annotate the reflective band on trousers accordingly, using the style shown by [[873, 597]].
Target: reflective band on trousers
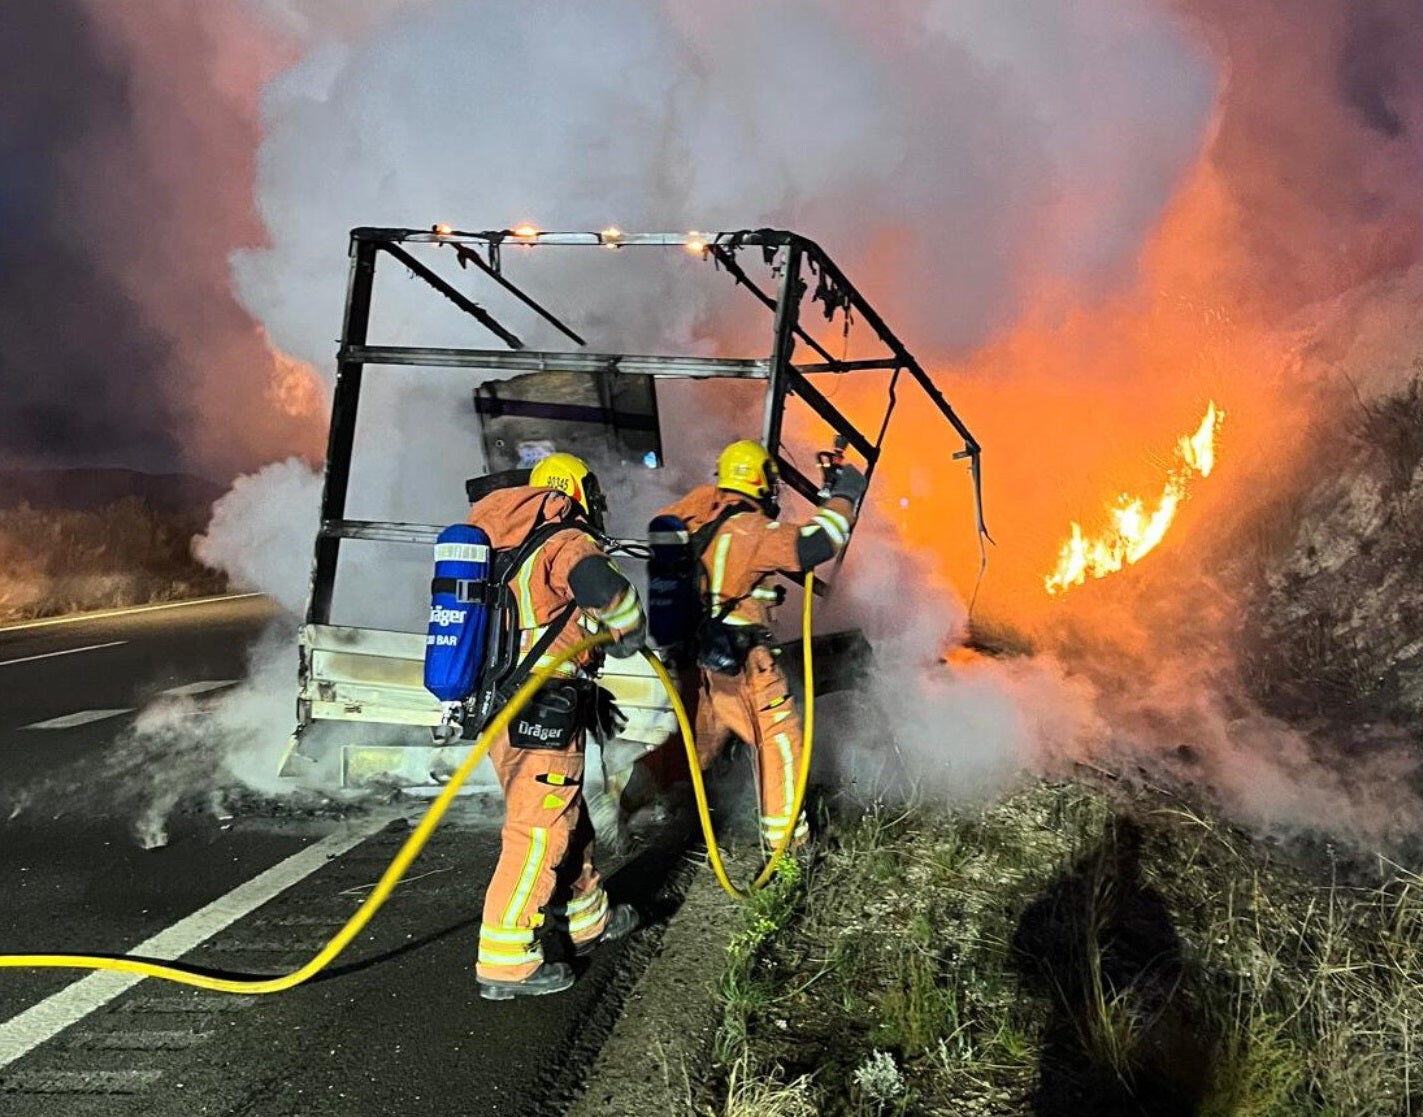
[[774, 829], [508, 946], [533, 866], [587, 912], [783, 745], [492, 955], [461, 552]]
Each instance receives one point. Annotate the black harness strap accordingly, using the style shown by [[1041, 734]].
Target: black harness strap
[[505, 677], [701, 540], [506, 688]]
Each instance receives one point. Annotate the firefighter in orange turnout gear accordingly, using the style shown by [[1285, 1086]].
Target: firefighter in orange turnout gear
[[742, 687], [568, 585]]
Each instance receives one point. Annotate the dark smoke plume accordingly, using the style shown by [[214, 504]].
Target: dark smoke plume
[[127, 147]]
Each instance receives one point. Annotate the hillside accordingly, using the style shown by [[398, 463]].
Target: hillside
[[82, 539]]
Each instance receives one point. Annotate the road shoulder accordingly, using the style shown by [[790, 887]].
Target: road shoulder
[[657, 1053]]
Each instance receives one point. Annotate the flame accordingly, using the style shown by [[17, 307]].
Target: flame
[[1134, 533], [696, 244], [526, 231], [443, 230]]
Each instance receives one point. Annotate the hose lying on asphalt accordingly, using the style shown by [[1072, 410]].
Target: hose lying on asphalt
[[414, 844]]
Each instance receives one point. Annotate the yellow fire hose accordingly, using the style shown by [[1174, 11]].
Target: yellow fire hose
[[802, 777], [408, 852]]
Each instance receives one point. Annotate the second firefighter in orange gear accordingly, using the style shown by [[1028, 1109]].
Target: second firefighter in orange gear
[[546, 860], [742, 689]]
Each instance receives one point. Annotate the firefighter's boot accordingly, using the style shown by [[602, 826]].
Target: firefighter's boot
[[623, 920], [551, 977]]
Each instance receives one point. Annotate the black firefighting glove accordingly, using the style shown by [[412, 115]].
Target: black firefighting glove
[[849, 483], [606, 719]]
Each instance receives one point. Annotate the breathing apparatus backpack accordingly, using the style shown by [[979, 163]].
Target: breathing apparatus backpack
[[680, 612], [472, 662], [458, 632]]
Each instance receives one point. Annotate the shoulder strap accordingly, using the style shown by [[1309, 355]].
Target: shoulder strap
[[503, 674], [506, 687], [703, 536], [520, 557], [701, 540]]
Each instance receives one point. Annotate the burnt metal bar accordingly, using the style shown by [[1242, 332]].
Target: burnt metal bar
[[886, 335], [496, 406], [345, 402], [832, 416], [783, 347], [727, 258], [544, 361], [868, 365], [473, 309], [380, 531], [971, 449], [468, 255], [797, 480]]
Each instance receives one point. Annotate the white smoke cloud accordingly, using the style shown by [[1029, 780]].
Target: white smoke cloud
[[981, 157], [261, 532], [954, 157]]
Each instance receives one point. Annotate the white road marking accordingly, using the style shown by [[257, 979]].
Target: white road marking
[[82, 717], [67, 651], [189, 690], [79, 618], [23, 1033]]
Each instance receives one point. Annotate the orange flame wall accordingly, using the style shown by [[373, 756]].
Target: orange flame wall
[[1303, 196]]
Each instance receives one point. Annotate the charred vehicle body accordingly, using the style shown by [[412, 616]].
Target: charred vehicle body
[[362, 699]]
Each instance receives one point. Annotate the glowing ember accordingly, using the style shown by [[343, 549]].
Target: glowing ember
[[443, 230], [696, 244], [1135, 532], [526, 231], [611, 235]]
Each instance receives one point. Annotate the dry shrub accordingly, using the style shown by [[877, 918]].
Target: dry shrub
[[62, 561]]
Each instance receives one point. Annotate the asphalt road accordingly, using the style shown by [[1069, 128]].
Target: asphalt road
[[396, 1027]]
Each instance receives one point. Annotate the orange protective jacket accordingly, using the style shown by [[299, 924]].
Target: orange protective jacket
[[542, 587], [750, 547]]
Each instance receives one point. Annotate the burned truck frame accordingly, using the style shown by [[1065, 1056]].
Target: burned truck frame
[[366, 675]]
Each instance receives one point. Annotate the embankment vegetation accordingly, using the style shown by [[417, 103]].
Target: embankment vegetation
[[56, 560], [1078, 948]]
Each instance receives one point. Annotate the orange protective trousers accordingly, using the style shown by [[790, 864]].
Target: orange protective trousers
[[547, 839], [757, 706]]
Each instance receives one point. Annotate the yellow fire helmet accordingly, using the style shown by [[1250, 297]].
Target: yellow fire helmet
[[570, 475], [746, 467]]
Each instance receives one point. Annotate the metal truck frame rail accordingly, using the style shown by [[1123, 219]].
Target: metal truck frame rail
[[788, 253], [778, 268]]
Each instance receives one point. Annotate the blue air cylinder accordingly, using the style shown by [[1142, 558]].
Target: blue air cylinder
[[459, 613], [674, 592]]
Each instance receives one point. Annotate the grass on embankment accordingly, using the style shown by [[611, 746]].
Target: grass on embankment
[[57, 561], [1071, 951]]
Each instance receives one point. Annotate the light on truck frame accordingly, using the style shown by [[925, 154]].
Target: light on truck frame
[[526, 231], [696, 243], [611, 235], [443, 230]]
